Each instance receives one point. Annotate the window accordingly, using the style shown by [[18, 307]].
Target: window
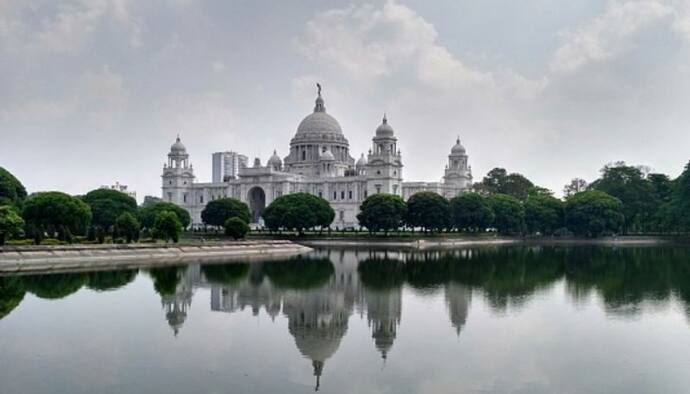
[[365, 194], [342, 195], [201, 199], [185, 182], [184, 197], [320, 194], [169, 196], [395, 189], [349, 194], [378, 188], [335, 195], [378, 172], [342, 215], [169, 182]]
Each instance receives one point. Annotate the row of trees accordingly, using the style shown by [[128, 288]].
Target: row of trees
[[589, 213], [99, 213]]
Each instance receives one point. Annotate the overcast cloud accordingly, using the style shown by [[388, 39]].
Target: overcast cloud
[[95, 91]]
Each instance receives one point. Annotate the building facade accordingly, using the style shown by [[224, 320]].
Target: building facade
[[319, 163]]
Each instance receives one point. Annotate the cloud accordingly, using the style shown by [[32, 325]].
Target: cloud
[[67, 27], [99, 97], [607, 35]]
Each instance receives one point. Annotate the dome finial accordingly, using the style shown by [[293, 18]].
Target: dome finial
[[458, 140], [178, 137], [385, 119], [319, 107]]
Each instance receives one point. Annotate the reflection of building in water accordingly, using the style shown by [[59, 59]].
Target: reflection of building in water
[[176, 305], [384, 308], [248, 293], [458, 299]]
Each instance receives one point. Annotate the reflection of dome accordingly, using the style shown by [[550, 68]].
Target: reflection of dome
[[458, 148], [384, 130], [178, 147]]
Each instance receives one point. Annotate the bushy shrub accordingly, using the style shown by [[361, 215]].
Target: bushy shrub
[[236, 228]]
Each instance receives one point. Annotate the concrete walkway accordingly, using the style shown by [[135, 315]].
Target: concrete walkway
[[48, 258]]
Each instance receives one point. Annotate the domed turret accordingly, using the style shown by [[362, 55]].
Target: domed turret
[[384, 130], [458, 149], [275, 162], [178, 147]]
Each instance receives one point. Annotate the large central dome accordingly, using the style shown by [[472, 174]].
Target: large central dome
[[319, 122]]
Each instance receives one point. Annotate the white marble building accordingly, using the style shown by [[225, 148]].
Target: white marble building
[[319, 163]]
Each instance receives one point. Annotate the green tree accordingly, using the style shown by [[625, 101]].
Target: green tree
[[509, 214], [628, 184], [167, 227], [298, 211], [166, 279], [53, 211], [498, 181], [593, 213], [382, 211], [428, 210], [236, 228], [128, 226], [107, 205], [12, 192], [55, 286], [544, 214], [109, 280], [217, 212], [471, 212], [150, 200], [679, 207], [147, 215], [11, 224], [225, 274]]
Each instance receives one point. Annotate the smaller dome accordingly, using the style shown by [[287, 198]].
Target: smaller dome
[[327, 156], [178, 146], [384, 130], [362, 161], [458, 148], [275, 160]]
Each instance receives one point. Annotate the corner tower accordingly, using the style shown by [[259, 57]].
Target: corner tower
[[458, 175], [384, 162], [178, 175]]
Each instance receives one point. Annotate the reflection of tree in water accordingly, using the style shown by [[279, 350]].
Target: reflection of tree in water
[[165, 279], [225, 274], [626, 278], [11, 294], [54, 286], [299, 273], [110, 280], [382, 273]]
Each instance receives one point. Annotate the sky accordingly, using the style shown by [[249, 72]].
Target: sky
[[95, 91]]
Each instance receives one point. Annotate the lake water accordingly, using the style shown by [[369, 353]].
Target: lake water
[[479, 320]]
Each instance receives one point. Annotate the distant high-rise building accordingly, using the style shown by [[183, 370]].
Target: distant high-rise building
[[226, 165]]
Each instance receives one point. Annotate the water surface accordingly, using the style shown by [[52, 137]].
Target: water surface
[[480, 320]]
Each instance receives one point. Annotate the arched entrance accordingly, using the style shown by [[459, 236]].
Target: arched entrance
[[257, 202]]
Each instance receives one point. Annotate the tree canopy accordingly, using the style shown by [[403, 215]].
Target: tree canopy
[[593, 213], [167, 226], [217, 212], [107, 205], [127, 226], [471, 212], [428, 210], [544, 214], [636, 193], [236, 228], [499, 181], [147, 215], [298, 211], [382, 211], [11, 224], [12, 192], [56, 211], [509, 214]]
